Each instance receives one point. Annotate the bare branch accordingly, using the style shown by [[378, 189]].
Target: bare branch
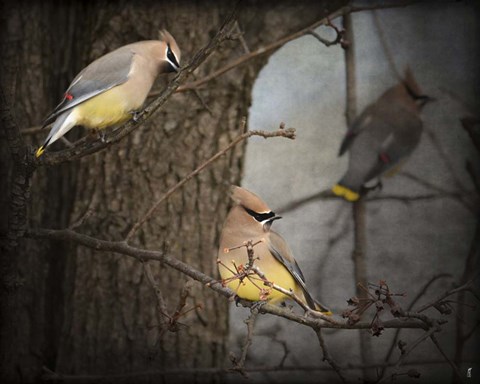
[[239, 366], [385, 47], [441, 190], [469, 124], [32, 130], [338, 38], [449, 361], [123, 248], [327, 357], [422, 291], [287, 133], [241, 38], [447, 161], [162, 307], [465, 287], [406, 352]]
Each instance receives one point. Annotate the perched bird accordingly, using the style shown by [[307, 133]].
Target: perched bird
[[112, 88], [384, 135], [250, 219]]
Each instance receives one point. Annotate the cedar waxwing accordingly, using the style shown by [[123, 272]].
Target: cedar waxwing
[[250, 219], [112, 88], [382, 136]]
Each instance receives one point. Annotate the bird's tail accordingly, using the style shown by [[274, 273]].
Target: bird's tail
[[60, 127], [40, 151], [345, 192], [315, 304], [321, 308]]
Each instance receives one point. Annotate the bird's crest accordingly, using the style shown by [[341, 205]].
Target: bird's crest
[[248, 199]]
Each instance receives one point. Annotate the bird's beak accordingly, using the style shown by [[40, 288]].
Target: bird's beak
[[268, 223]]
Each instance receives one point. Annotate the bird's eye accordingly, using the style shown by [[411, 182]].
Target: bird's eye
[[170, 55], [260, 217]]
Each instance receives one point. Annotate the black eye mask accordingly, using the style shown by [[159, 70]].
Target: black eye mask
[[171, 56], [260, 217]]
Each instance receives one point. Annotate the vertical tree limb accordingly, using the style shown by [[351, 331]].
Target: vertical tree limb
[[460, 333], [358, 207], [22, 172]]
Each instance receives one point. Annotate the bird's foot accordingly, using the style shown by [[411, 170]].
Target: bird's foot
[[257, 305], [378, 185], [237, 300], [135, 115], [101, 135]]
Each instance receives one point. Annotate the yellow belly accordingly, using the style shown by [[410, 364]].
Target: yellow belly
[[252, 287], [104, 110]]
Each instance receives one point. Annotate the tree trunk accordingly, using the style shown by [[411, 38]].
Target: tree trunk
[[76, 311]]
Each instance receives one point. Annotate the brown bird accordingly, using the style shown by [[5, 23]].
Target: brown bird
[[251, 219], [384, 135], [111, 89]]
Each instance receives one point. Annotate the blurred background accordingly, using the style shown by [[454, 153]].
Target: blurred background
[[411, 238]]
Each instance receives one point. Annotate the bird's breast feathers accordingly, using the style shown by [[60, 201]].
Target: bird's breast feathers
[[252, 287], [104, 110]]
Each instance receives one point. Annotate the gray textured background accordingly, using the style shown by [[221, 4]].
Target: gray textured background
[[303, 85]]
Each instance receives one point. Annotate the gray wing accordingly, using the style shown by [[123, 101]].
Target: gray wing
[[281, 251], [103, 74], [359, 124], [404, 136], [388, 135]]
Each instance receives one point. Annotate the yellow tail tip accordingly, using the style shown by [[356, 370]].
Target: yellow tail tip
[[346, 193], [40, 151], [327, 313]]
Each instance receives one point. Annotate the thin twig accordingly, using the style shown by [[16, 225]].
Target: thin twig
[[162, 307], [32, 130], [241, 38], [441, 190], [406, 352], [385, 47], [469, 124], [328, 358], [250, 322], [338, 38], [447, 161], [287, 133], [465, 287], [447, 359], [419, 295]]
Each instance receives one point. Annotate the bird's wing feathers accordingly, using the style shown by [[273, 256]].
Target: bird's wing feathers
[[280, 250], [103, 74], [357, 126], [398, 144]]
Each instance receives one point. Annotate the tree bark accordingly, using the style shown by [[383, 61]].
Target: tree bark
[[67, 309]]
